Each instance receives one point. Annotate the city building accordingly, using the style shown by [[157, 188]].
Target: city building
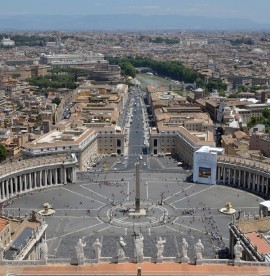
[[205, 165], [73, 137], [7, 42]]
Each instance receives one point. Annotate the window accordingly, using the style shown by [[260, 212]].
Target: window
[[118, 143], [155, 142]]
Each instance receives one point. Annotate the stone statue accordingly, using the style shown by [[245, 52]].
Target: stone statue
[[2, 250], [121, 248], [160, 247], [138, 253], [43, 250], [80, 250], [184, 248], [238, 249], [97, 246], [199, 248]]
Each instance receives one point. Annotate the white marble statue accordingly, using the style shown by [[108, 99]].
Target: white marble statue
[[160, 247], [184, 248], [2, 250], [238, 249], [138, 252], [199, 248], [121, 248], [80, 249], [97, 246], [43, 250]]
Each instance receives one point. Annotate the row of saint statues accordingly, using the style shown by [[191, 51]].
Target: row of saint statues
[[138, 248]]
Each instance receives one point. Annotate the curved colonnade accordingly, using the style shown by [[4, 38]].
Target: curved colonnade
[[29, 175], [245, 174], [32, 174]]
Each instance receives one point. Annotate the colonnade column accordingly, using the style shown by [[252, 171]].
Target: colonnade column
[[2, 190], [40, 178], [258, 182], [11, 185], [73, 172], [51, 177], [35, 180], [16, 184], [24, 182], [7, 191], [64, 171], [249, 180], [30, 181], [45, 178], [55, 176], [245, 178], [218, 174]]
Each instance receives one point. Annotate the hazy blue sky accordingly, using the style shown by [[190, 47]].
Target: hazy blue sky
[[257, 10]]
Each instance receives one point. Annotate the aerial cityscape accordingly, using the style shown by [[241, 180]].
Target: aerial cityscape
[[135, 138]]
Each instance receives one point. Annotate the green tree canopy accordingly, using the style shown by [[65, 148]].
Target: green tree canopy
[[3, 152], [56, 100], [128, 69], [172, 69]]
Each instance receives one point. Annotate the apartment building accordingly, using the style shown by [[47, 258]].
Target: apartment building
[[181, 127], [73, 137], [260, 141]]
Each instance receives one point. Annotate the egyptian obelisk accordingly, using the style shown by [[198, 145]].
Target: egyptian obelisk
[[138, 190]]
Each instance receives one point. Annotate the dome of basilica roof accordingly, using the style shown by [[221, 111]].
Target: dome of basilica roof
[[257, 51]]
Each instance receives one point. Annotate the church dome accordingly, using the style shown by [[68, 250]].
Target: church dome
[[258, 51]]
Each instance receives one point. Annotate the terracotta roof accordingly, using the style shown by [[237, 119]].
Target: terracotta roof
[[131, 269], [3, 223], [258, 240]]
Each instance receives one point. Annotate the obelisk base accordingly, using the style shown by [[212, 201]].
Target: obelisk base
[[137, 213]]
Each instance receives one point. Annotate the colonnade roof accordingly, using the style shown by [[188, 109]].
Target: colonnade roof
[[260, 225], [34, 162], [244, 162]]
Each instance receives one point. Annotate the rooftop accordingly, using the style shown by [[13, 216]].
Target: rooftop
[[131, 269]]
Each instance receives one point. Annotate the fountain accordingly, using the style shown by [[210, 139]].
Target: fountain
[[227, 210], [47, 210]]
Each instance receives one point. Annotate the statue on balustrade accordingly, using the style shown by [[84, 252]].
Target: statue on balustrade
[[121, 248], [97, 246], [43, 250], [160, 247], [238, 249], [199, 249]]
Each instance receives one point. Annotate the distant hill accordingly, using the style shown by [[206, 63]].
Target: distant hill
[[125, 22]]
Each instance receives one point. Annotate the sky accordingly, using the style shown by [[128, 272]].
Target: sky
[[257, 10]]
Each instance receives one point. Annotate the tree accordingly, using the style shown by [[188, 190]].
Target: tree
[[56, 100], [241, 88], [3, 152], [128, 69], [266, 113]]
